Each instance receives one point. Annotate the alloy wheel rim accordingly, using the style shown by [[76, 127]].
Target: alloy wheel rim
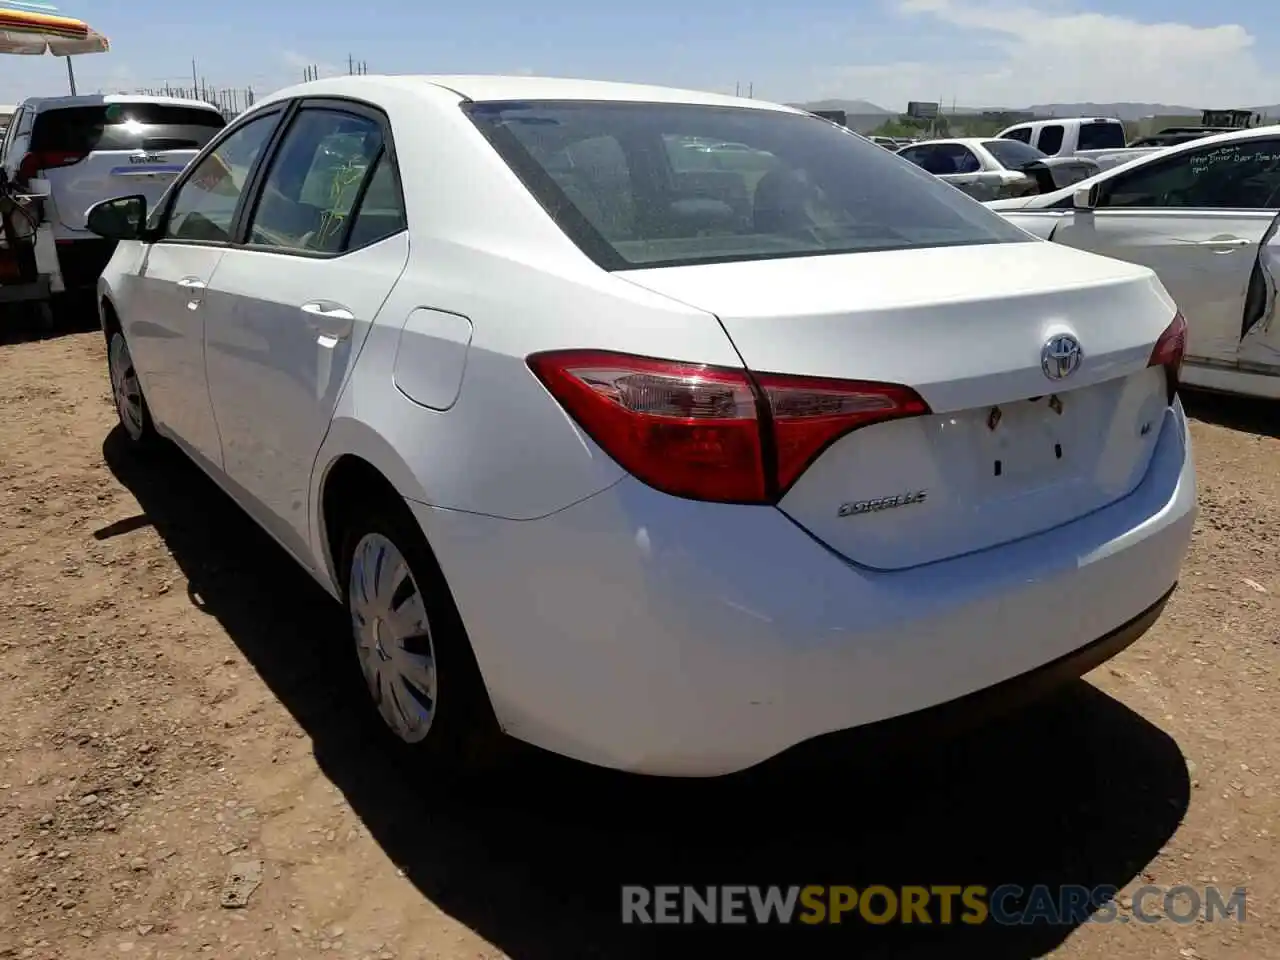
[[393, 637], [125, 387]]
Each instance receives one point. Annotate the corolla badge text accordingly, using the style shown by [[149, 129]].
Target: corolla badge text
[[856, 508]]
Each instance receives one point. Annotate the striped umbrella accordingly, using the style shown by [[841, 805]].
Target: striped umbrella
[[35, 29]]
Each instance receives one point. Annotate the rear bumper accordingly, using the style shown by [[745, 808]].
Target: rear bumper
[[968, 711], [82, 261], [638, 631]]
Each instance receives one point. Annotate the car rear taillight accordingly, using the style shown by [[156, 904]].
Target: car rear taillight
[[712, 433], [1169, 352], [808, 414], [33, 163]]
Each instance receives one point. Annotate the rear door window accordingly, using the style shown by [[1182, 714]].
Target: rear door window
[[1101, 136], [1050, 141], [124, 126], [381, 213], [942, 159], [314, 181], [1012, 154]]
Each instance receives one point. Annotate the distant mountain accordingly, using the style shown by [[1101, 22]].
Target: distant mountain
[[1122, 111]]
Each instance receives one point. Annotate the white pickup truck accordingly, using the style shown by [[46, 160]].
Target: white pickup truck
[[1100, 139]]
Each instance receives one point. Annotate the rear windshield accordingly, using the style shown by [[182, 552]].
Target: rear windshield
[[1101, 136], [1013, 154], [154, 127], [651, 184]]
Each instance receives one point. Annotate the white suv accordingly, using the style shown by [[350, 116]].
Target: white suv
[[93, 148]]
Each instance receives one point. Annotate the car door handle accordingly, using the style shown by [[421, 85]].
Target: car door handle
[[192, 283], [330, 320], [1224, 244]]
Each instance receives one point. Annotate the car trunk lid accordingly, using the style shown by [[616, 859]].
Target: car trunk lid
[[1007, 451]]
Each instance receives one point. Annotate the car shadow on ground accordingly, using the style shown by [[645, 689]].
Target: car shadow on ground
[[22, 323], [1246, 414], [1076, 790]]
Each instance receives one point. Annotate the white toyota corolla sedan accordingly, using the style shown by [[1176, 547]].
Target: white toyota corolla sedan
[[663, 430]]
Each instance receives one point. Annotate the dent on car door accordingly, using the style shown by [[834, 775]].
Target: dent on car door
[[1198, 219], [287, 312]]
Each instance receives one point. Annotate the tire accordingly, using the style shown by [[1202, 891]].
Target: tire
[[411, 647], [126, 391]]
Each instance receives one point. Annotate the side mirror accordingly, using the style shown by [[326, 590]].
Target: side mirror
[[123, 218], [1085, 198]]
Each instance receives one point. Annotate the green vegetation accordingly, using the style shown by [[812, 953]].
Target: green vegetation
[[905, 126]]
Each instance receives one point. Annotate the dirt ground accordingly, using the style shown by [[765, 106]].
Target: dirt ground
[[176, 702]]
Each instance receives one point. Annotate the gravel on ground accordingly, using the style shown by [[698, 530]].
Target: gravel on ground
[[179, 723]]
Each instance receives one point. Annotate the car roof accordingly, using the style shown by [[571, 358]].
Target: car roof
[[1059, 121], [94, 100], [483, 88], [963, 141]]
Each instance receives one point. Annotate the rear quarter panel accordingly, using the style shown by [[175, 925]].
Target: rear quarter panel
[[483, 249]]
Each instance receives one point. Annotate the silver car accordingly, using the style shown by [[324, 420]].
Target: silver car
[[994, 169]]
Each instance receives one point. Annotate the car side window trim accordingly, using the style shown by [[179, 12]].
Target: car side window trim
[[358, 202], [257, 183], [279, 111]]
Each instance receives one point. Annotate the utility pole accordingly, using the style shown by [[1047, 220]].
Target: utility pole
[[194, 82], [351, 65], [751, 90]]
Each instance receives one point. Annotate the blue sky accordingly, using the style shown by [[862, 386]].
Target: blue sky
[[887, 51]]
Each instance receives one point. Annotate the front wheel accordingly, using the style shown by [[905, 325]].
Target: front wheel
[[411, 647], [126, 389]]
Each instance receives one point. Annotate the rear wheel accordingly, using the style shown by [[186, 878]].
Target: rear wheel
[[126, 389], [411, 647]]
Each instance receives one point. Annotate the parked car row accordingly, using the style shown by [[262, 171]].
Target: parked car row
[[993, 169], [636, 396]]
